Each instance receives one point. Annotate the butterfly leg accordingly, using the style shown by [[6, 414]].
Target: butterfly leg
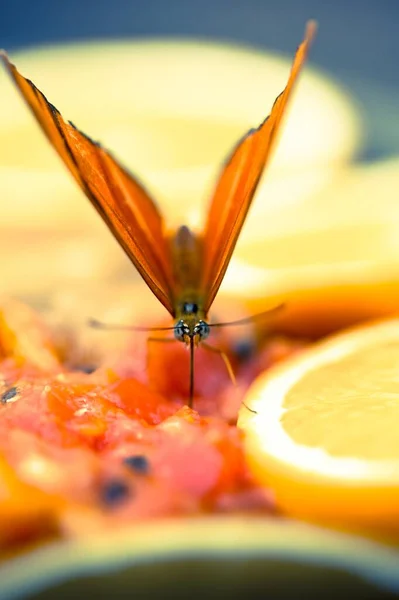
[[228, 367], [225, 359]]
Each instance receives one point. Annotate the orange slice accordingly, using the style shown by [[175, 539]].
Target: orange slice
[[322, 429]]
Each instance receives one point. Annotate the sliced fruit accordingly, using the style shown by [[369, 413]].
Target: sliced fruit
[[322, 429], [332, 256]]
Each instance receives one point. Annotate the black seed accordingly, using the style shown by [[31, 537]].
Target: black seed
[[138, 463], [86, 368], [114, 492], [9, 394], [244, 350]]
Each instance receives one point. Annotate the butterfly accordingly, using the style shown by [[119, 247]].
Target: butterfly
[[183, 270]]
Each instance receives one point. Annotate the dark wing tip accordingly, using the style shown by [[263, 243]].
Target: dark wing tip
[[6, 61], [88, 138], [310, 33], [53, 108], [11, 68], [311, 28]]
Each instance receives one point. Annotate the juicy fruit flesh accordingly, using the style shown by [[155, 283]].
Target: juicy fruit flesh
[[359, 396], [82, 452], [323, 436]]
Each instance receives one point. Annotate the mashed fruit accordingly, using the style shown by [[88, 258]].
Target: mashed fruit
[[102, 445]]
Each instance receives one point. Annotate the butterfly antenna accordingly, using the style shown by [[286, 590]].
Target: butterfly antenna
[[251, 319], [95, 324]]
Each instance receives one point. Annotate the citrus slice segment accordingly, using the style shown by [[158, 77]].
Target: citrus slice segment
[[322, 429]]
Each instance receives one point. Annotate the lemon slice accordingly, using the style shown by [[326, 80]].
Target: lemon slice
[[322, 429]]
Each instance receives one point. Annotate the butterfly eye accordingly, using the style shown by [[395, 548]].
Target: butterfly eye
[[181, 330], [202, 329]]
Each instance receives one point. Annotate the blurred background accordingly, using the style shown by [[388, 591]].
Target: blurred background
[[358, 42], [169, 85]]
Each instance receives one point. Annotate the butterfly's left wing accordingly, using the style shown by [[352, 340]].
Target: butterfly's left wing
[[238, 182], [122, 202]]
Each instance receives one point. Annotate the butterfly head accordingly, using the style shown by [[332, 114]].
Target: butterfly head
[[190, 326]]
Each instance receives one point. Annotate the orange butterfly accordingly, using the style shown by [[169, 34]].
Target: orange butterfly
[[184, 271]]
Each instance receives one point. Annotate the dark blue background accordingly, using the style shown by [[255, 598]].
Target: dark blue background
[[358, 41]]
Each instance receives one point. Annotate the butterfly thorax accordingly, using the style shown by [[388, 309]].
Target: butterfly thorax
[[190, 322]]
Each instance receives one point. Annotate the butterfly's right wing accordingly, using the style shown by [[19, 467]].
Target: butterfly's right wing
[[120, 199], [238, 182]]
